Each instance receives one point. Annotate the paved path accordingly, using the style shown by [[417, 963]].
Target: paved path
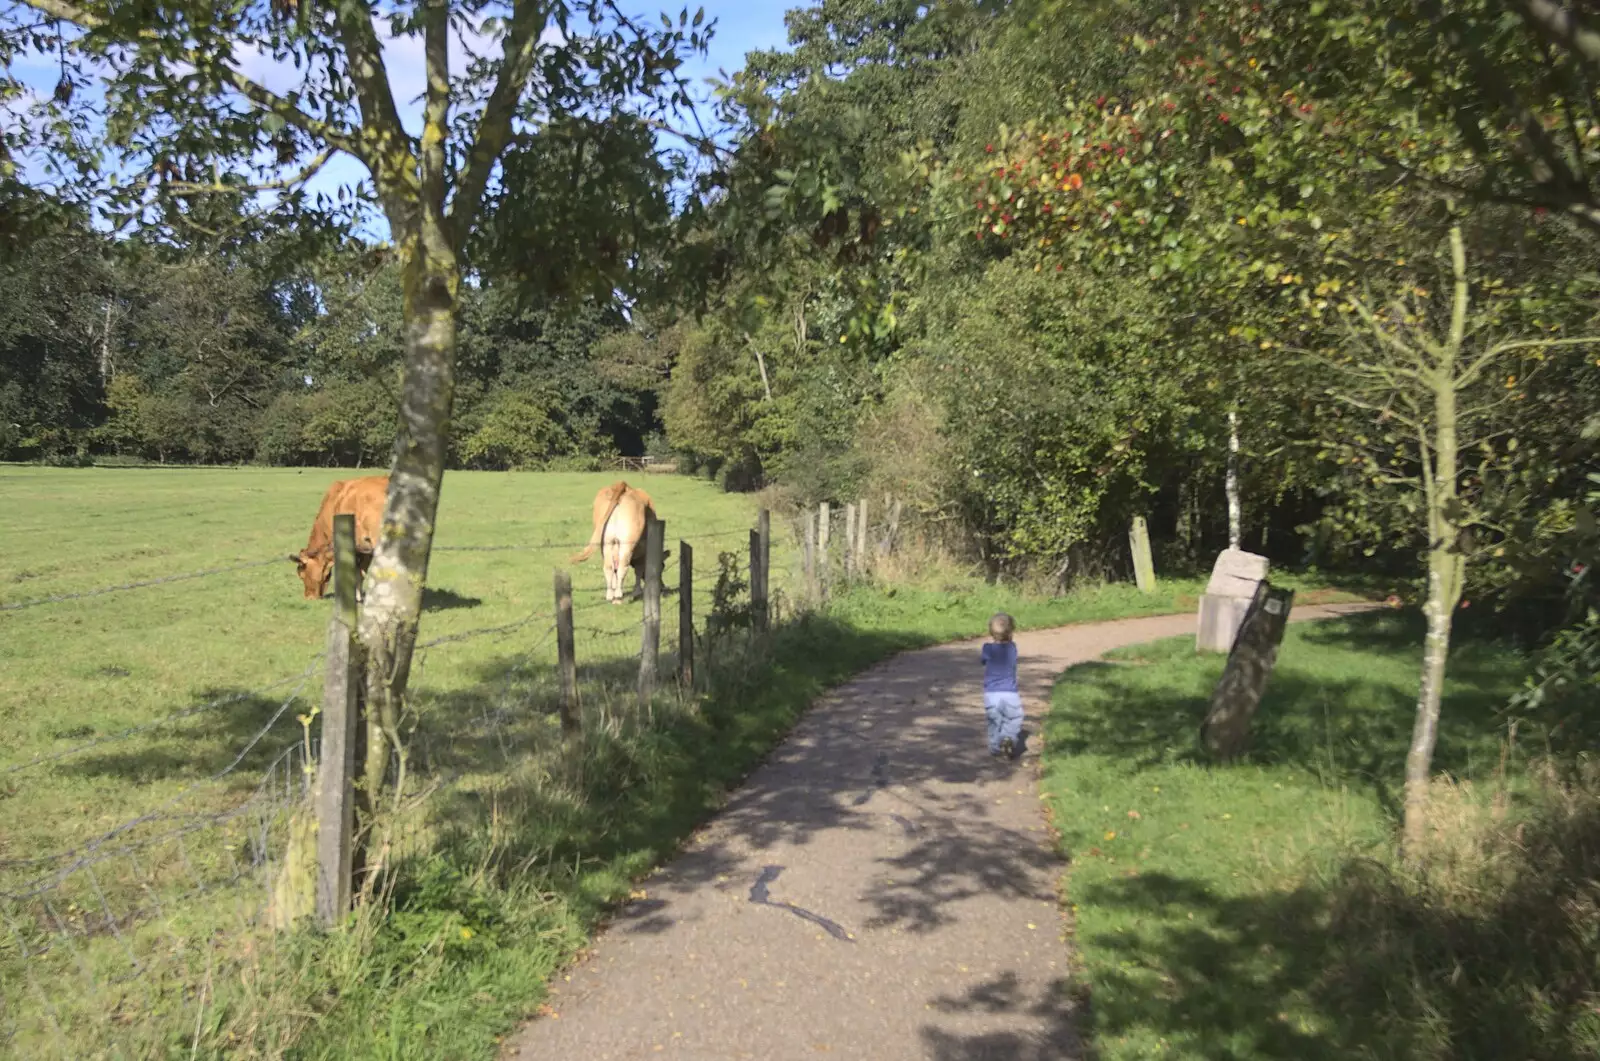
[[880, 889]]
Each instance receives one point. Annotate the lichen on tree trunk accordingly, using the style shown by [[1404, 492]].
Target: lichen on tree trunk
[[399, 568]]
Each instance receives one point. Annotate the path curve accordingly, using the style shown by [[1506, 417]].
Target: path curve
[[879, 889]]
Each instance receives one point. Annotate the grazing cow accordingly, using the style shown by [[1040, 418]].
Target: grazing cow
[[619, 525], [362, 498]]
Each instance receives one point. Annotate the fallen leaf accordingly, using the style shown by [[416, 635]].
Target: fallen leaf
[[1111, 834], [1134, 815]]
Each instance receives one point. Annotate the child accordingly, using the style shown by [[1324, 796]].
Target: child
[[1001, 701]]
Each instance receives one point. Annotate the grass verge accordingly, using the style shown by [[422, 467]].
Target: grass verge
[[477, 932], [1255, 911]]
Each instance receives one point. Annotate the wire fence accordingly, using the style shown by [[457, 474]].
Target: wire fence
[[59, 598], [162, 580], [110, 909]]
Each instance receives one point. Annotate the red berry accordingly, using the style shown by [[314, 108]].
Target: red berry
[[988, 149], [1222, 118]]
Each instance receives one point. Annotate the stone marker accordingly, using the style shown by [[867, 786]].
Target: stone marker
[[1225, 733], [1234, 579]]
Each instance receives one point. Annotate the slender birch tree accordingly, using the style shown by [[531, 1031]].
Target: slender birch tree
[[1433, 400]]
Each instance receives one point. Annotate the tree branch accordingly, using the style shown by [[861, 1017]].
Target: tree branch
[[340, 139], [218, 186], [1472, 371], [528, 20], [383, 136], [1561, 28], [1493, 83], [436, 110]]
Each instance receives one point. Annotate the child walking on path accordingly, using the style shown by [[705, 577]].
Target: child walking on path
[[1001, 700]]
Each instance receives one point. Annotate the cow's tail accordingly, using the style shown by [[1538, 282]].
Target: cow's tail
[[599, 531]]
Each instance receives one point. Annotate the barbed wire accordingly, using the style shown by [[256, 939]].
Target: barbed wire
[[59, 597], [165, 720], [209, 572], [715, 532], [83, 851]]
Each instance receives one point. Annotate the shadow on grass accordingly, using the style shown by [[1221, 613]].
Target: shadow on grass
[[209, 742], [444, 600], [1368, 965], [1350, 729]]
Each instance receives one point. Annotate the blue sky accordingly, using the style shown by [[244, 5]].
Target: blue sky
[[741, 26]]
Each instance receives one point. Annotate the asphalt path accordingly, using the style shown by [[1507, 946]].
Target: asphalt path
[[880, 889]]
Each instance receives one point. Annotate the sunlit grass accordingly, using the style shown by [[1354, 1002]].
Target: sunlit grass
[[1256, 911]]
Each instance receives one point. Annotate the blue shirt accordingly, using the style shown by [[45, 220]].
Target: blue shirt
[[1000, 667]]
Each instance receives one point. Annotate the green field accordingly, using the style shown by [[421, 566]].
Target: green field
[[1256, 912], [516, 842], [76, 675]]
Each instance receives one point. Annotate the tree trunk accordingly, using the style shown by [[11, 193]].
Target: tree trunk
[[1235, 510], [1446, 560], [399, 565], [105, 348], [1425, 732]]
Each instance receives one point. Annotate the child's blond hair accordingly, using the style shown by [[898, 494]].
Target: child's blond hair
[[1001, 626]]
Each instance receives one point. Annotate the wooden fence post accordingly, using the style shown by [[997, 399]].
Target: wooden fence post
[[758, 592], [654, 535], [849, 540], [863, 554], [824, 532], [566, 653], [685, 618], [764, 529], [1144, 568], [341, 686], [891, 506], [808, 546]]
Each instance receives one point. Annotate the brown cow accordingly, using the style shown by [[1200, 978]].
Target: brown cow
[[362, 498], [619, 525]]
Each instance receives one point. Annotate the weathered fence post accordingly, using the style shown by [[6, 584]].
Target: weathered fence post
[[849, 540], [1144, 568], [863, 554], [655, 533], [892, 507], [566, 653], [808, 546], [685, 618], [824, 532], [341, 686], [764, 557], [758, 592]]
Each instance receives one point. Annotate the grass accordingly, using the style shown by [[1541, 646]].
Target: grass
[[515, 842], [1255, 911], [80, 671]]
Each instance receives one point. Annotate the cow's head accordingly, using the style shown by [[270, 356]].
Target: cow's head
[[314, 570]]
